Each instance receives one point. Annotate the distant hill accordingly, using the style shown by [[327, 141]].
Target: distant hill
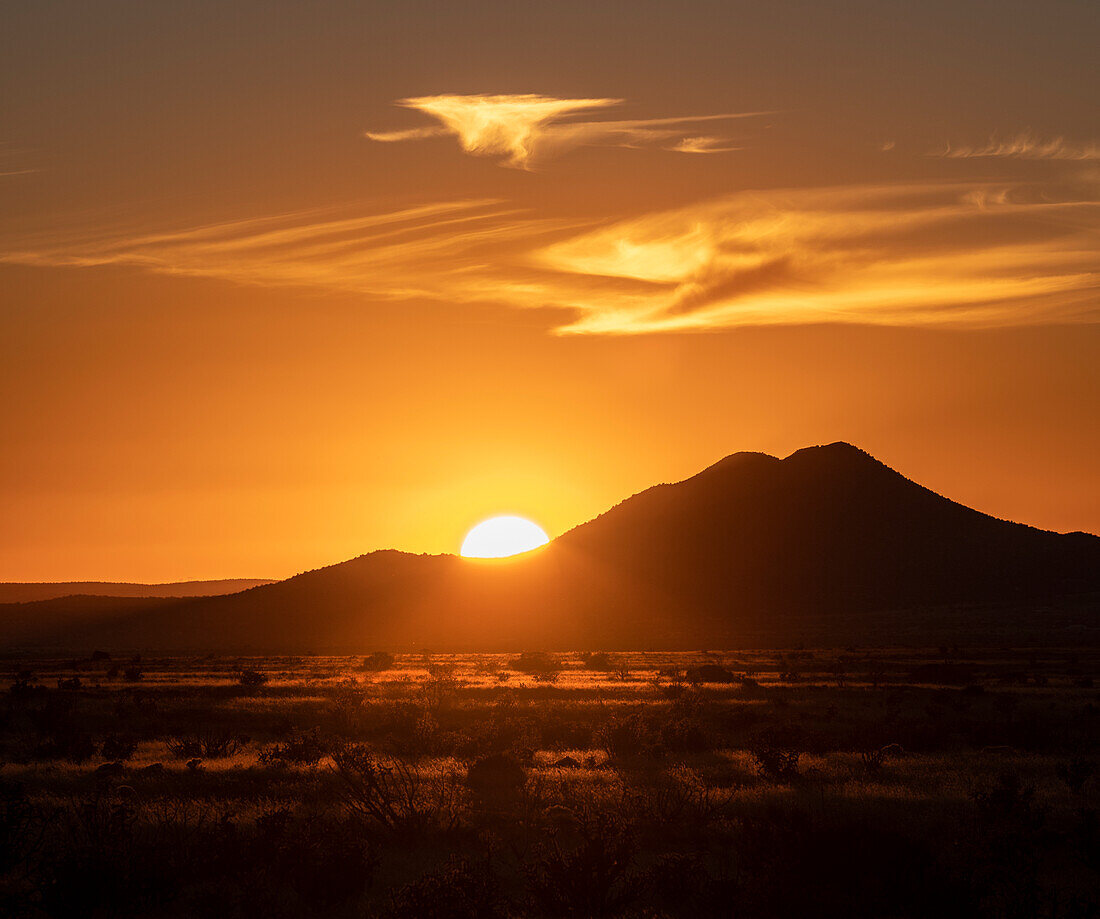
[[11, 592], [825, 545]]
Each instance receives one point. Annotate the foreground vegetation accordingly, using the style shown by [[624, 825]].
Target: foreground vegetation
[[764, 784]]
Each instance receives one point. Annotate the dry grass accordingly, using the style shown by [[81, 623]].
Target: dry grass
[[883, 765]]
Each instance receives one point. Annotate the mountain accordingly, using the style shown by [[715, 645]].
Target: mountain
[[826, 544], [11, 592]]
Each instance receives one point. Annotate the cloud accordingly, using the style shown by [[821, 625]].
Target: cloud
[[1026, 146], [948, 254], [430, 250], [893, 254], [702, 144], [12, 159], [525, 128]]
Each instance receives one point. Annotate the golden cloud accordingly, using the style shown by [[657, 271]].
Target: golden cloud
[[421, 251], [525, 128], [915, 255], [943, 255]]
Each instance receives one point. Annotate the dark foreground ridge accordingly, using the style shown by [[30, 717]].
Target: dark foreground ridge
[[825, 545]]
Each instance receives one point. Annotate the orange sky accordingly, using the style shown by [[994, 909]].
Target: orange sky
[[284, 284]]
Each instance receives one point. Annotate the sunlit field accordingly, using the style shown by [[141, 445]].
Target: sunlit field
[[750, 784]]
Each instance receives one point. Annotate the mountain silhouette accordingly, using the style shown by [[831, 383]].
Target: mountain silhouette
[[751, 549], [25, 592]]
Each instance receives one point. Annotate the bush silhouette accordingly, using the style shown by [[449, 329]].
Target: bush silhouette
[[393, 793], [251, 679], [537, 664], [208, 744], [588, 878], [496, 774], [379, 660]]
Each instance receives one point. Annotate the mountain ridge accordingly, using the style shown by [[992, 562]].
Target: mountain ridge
[[29, 591], [750, 544]]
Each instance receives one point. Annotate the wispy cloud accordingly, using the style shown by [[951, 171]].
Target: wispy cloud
[[522, 129], [13, 160], [429, 250], [929, 255], [1025, 146], [904, 255]]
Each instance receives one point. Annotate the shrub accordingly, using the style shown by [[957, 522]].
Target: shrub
[[439, 689], [379, 660], [24, 688], [487, 666], [537, 663], [598, 660], [405, 727], [346, 712], [626, 738], [250, 679], [775, 762], [590, 879], [305, 749], [496, 774], [872, 760], [751, 689], [685, 735], [672, 691], [117, 748], [393, 793], [710, 673], [211, 744], [502, 734], [680, 794]]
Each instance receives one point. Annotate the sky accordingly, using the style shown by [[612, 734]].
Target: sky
[[287, 283]]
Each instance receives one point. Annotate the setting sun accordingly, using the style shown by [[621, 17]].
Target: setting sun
[[499, 537]]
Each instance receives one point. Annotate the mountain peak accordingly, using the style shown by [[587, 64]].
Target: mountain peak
[[838, 454], [837, 448], [836, 457], [741, 461]]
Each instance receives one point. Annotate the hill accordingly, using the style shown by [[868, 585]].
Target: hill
[[827, 544], [12, 592]]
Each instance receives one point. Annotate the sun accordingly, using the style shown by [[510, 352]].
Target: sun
[[499, 537]]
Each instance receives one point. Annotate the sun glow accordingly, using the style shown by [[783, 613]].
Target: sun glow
[[499, 537]]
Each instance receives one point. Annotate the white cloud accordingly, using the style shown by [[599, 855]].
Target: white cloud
[[525, 128]]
